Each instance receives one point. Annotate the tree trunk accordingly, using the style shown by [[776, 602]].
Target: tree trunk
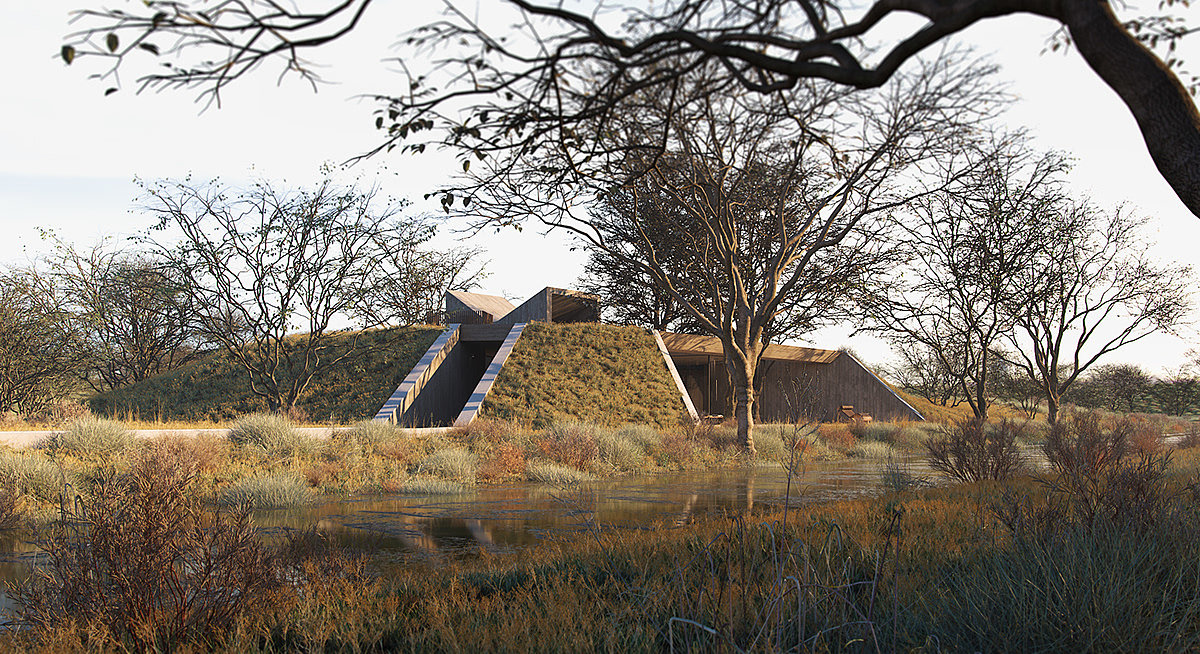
[[741, 376], [1162, 107], [1051, 408]]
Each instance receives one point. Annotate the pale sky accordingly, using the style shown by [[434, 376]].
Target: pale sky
[[68, 155]]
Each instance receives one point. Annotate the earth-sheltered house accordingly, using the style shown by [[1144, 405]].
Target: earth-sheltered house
[[499, 360]]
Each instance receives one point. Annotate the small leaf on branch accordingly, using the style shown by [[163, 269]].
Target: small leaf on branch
[[149, 47], [113, 42], [68, 54], [109, 91]]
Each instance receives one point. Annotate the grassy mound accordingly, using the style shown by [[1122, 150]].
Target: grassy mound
[[217, 389], [600, 374]]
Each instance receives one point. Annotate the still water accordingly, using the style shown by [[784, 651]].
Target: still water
[[427, 530]]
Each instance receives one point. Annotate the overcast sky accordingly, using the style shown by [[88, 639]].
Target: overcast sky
[[68, 155]]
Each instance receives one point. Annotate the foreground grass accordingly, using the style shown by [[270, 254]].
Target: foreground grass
[[926, 570]]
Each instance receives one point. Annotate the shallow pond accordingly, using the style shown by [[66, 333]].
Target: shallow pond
[[425, 530]]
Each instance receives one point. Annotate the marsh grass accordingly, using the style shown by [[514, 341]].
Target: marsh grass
[[556, 474], [87, 437], [374, 432], [272, 434], [897, 477], [278, 491], [32, 474], [620, 450], [456, 464], [872, 450], [926, 569]]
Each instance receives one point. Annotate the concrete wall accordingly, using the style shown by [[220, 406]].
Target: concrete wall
[[444, 395]]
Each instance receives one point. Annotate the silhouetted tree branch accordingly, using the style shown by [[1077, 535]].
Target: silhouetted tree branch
[[526, 74]]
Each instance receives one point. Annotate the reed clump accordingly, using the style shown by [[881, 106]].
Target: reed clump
[[86, 437], [272, 434], [267, 492]]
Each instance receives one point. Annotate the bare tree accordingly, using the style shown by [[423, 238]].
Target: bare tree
[[921, 370], [409, 287], [969, 246], [752, 202], [1092, 289], [268, 272], [558, 67], [1178, 393], [1114, 386], [41, 354], [133, 317]]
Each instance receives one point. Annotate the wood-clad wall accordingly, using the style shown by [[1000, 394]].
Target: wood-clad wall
[[816, 390]]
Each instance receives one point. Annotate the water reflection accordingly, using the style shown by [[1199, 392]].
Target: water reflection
[[507, 518], [426, 530]]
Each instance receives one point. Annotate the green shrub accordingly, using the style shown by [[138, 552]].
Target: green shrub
[[549, 472], [34, 475], [425, 485], [268, 492], [455, 464], [619, 451], [271, 433], [87, 436]]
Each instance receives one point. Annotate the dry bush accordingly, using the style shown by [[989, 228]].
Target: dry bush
[[837, 436], [489, 430], [142, 560], [1098, 478], [205, 453], [573, 444], [296, 414], [1191, 439], [65, 412], [1144, 435], [972, 450], [1081, 444], [404, 450], [674, 450], [11, 420], [321, 472], [12, 510], [504, 461]]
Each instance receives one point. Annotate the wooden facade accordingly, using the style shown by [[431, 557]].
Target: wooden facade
[[792, 381]]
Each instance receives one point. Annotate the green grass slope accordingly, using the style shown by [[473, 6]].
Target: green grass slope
[[601, 374], [215, 388]]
